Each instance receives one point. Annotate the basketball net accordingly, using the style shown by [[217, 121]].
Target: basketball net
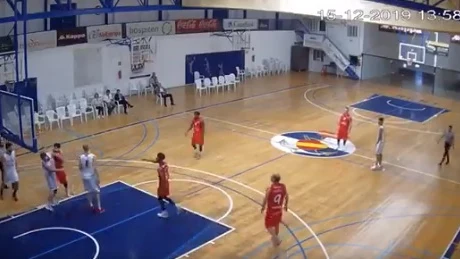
[[409, 62]]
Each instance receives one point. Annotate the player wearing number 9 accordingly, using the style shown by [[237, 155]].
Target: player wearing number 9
[[275, 196]]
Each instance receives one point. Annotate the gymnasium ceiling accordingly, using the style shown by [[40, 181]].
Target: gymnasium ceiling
[[312, 8]]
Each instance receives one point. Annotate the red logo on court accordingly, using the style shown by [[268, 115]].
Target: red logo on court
[[197, 25]]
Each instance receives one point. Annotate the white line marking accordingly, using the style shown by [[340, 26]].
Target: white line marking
[[229, 198], [450, 243], [42, 206], [404, 108], [366, 100], [231, 229], [372, 120], [235, 182], [434, 116], [96, 244], [366, 121]]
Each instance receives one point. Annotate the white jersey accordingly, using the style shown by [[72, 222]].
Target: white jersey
[[50, 176], [9, 168], [87, 161], [380, 141]]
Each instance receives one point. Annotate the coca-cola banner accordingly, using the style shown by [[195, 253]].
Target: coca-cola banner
[[104, 32], [197, 25]]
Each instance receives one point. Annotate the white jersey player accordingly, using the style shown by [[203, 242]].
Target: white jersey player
[[379, 147], [10, 172], [49, 171], [90, 178]]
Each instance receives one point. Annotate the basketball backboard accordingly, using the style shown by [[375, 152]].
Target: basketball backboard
[[415, 53]]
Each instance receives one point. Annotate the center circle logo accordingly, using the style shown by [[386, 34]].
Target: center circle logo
[[319, 144]]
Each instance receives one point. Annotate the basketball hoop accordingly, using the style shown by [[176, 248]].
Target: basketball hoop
[[409, 62]]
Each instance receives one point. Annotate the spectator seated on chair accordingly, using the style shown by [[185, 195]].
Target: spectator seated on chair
[[98, 103], [153, 80], [161, 92], [109, 102], [120, 98]]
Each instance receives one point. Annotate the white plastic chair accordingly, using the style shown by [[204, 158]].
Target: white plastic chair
[[74, 113], [222, 82], [85, 109], [62, 115], [133, 88], [197, 76], [234, 78], [241, 73], [199, 87], [52, 116], [208, 85], [145, 87], [230, 81], [215, 83], [39, 120]]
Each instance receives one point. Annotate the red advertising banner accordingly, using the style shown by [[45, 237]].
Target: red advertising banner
[[197, 25]]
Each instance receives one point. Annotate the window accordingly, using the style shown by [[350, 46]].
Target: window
[[312, 24], [318, 55], [322, 26], [352, 31]]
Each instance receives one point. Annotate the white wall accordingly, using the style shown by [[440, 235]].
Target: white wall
[[98, 19], [54, 68], [386, 44]]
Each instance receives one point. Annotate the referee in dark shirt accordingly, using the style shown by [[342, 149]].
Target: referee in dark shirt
[[449, 139]]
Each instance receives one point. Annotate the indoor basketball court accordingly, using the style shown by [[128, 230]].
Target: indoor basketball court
[[339, 208]]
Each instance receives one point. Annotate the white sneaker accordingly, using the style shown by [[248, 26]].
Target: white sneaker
[[48, 207], [164, 214], [179, 209]]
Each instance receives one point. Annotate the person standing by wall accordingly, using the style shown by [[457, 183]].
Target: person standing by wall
[[449, 139]]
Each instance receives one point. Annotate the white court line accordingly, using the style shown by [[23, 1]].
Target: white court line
[[434, 116], [42, 206], [237, 183], [354, 154], [231, 229], [229, 198], [366, 121], [372, 120], [404, 108], [96, 244], [450, 244], [365, 100]]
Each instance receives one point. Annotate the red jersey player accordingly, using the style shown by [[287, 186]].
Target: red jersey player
[[163, 184], [59, 164], [275, 196], [198, 134], [344, 127]]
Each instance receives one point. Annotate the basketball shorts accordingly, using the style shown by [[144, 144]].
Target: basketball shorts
[[10, 177], [91, 184], [61, 177], [447, 147], [273, 221], [198, 139], [379, 148], [51, 181], [342, 134], [163, 191]]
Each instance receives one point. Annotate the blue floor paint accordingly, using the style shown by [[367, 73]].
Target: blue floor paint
[[452, 247], [126, 230], [399, 108]]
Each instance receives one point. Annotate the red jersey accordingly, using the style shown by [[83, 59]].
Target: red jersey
[[197, 126], [345, 121], [275, 199], [163, 175], [58, 161]]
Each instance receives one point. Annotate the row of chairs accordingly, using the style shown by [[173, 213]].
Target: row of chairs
[[222, 82]]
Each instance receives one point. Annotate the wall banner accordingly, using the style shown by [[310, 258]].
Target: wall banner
[[147, 29]]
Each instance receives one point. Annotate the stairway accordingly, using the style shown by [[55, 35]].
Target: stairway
[[331, 50]]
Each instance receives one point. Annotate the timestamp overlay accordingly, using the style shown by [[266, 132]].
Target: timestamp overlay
[[388, 15]]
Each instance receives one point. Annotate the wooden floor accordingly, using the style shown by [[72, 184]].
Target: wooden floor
[[411, 210]]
